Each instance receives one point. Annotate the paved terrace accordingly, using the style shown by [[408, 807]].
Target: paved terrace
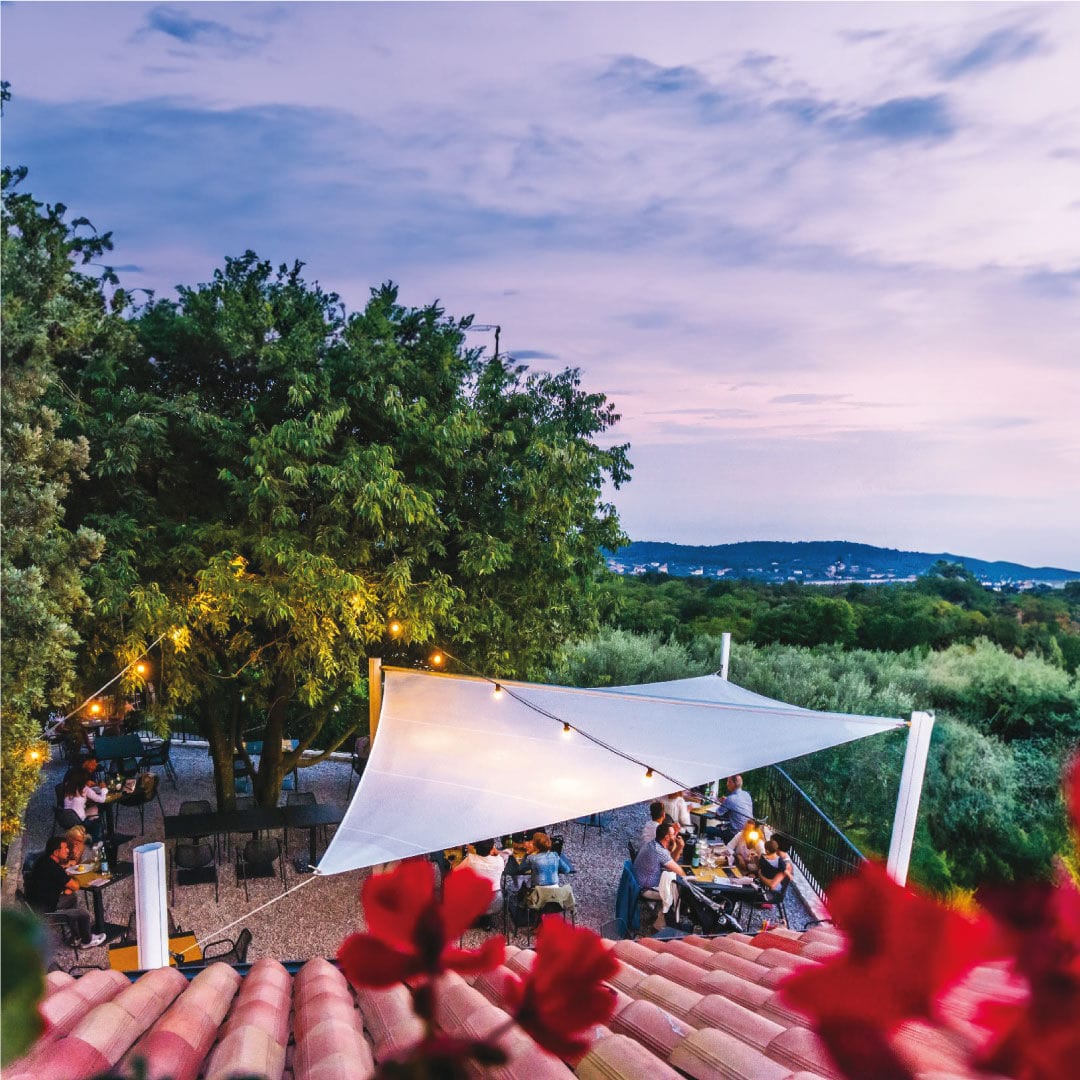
[[313, 921]]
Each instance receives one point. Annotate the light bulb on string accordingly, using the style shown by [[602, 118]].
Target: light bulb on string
[[140, 668], [394, 628], [498, 692], [437, 659], [648, 774], [95, 708], [567, 730]]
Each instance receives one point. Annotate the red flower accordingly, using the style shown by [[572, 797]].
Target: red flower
[[903, 951], [410, 930], [564, 994]]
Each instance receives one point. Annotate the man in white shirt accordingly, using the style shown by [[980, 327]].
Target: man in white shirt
[[675, 806]]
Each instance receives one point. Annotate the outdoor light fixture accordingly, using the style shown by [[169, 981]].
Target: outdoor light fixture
[[498, 690], [567, 730], [753, 836], [34, 755], [437, 659], [394, 628], [95, 708], [140, 668], [648, 774]]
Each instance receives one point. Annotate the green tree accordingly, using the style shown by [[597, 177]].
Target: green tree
[[278, 479], [51, 311]]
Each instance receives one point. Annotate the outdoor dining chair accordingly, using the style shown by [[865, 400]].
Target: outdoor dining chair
[[157, 756], [146, 791], [257, 858], [194, 864], [235, 953]]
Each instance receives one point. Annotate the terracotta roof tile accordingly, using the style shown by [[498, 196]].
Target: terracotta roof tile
[[699, 1007]]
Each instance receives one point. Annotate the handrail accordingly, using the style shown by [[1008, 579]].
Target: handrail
[[819, 849]]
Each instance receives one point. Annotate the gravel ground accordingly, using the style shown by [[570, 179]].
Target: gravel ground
[[313, 920]]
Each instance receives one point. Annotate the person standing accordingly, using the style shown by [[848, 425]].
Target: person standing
[[49, 889]]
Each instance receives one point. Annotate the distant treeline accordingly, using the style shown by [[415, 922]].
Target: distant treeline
[[945, 607]]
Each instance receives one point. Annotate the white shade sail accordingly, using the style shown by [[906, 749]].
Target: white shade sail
[[454, 762]]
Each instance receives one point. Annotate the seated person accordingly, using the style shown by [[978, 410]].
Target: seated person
[[80, 797], [656, 867], [486, 860], [676, 808], [736, 807], [49, 889], [76, 838], [773, 869], [749, 846], [543, 864], [657, 814]]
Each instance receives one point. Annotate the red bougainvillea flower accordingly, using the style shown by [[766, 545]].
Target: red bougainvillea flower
[[564, 994], [410, 931], [903, 951]]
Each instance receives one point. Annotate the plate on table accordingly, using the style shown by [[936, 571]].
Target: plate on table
[[80, 869]]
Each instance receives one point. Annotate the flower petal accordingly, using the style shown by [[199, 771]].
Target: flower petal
[[471, 962], [367, 961], [393, 902], [466, 896]]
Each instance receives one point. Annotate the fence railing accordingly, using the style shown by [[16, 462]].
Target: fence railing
[[819, 849]]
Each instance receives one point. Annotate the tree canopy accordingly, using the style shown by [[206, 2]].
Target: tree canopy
[[277, 479]]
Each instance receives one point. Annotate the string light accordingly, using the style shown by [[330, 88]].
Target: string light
[[95, 708], [394, 628], [439, 657], [34, 755], [498, 690]]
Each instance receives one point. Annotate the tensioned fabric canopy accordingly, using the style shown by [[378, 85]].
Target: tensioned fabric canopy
[[454, 762]]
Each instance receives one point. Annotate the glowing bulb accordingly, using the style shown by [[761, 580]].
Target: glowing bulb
[[140, 668], [567, 730], [753, 836], [648, 774], [95, 708], [437, 659], [394, 628], [35, 755], [337, 708], [498, 691]]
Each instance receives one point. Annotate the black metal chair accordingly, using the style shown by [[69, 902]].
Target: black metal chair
[[146, 791], [257, 858], [590, 821], [358, 761], [235, 953], [771, 901], [59, 923], [157, 756], [65, 819], [194, 864], [199, 806]]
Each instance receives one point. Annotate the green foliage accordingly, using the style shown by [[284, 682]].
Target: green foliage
[[22, 982], [619, 658], [51, 310], [1004, 695], [277, 479]]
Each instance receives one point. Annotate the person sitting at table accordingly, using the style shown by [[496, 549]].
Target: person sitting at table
[[49, 889], [486, 860], [76, 838], [543, 864], [676, 808], [736, 807], [656, 868], [749, 846], [80, 797], [773, 869], [657, 814]]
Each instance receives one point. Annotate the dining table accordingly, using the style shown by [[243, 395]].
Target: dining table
[[311, 816], [126, 957], [93, 882]]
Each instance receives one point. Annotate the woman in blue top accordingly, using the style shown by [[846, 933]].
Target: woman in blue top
[[544, 864]]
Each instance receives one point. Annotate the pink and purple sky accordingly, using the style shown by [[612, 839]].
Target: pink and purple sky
[[825, 258]]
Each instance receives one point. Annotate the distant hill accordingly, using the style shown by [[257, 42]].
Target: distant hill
[[817, 561]]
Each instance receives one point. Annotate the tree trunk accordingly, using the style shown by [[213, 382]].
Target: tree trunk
[[271, 772], [218, 723]]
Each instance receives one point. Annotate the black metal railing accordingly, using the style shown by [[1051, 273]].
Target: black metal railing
[[818, 848]]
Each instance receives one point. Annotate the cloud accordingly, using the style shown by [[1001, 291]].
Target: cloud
[[1008, 45], [808, 399], [179, 24], [903, 119]]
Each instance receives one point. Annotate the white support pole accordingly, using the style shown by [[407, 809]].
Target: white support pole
[[907, 801], [725, 653], [151, 910]]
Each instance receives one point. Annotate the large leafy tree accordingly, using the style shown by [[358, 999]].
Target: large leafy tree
[[54, 309], [277, 479]]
